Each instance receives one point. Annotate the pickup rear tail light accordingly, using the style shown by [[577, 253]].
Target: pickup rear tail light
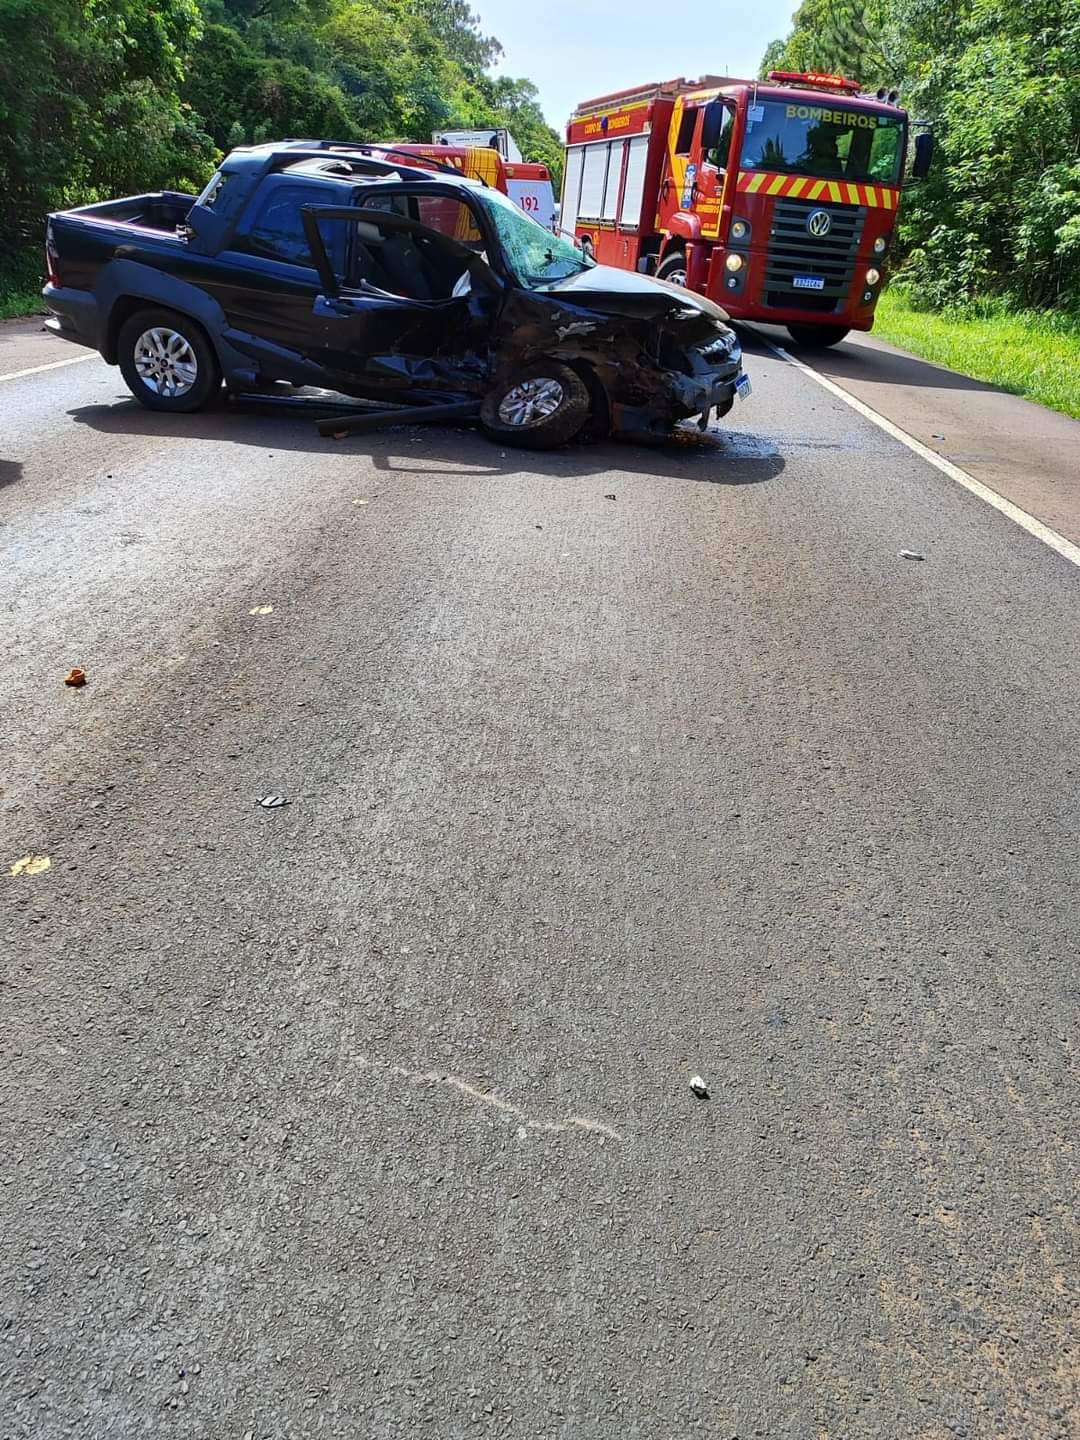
[[52, 258]]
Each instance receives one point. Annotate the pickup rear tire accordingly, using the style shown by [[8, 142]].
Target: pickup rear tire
[[817, 337], [167, 361], [539, 406]]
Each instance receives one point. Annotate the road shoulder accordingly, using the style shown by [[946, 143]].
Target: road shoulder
[[1024, 452]]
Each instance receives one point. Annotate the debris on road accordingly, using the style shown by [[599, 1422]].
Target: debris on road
[[75, 677], [31, 865], [272, 802], [609, 497], [911, 555], [262, 610], [937, 437], [698, 1087]]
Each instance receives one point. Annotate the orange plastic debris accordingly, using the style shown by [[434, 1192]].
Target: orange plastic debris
[[75, 677]]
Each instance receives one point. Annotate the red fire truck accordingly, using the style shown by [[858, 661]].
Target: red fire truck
[[775, 198]]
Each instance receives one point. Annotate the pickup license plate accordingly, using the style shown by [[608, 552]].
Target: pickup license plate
[[808, 282], [743, 387]]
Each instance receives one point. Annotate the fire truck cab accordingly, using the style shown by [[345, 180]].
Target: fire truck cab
[[777, 198]]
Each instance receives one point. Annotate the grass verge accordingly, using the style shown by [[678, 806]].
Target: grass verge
[[1031, 353], [20, 285]]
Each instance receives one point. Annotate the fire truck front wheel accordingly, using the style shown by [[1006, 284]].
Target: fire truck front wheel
[[673, 268], [817, 337], [539, 406]]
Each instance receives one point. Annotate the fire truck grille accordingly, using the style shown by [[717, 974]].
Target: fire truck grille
[[794, 252]]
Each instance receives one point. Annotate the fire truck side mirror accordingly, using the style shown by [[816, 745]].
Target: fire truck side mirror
[[712, 124], [924, 154]]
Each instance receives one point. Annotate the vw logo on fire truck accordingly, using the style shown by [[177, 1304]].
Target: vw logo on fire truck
[[819, 223]]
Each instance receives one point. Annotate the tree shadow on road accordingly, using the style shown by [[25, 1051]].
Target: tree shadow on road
[[10, 472], [717, 457]]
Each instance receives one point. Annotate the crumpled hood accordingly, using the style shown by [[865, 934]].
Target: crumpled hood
[[626, 292]]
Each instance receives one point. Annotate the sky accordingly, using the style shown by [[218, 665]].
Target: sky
[[574, 49]]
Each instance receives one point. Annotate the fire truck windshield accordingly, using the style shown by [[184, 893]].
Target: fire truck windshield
[[825, 139], [535, 255]]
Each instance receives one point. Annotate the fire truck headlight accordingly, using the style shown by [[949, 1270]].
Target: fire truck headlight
[[739, 229], [872, 276], [734, 263], [879, 245]]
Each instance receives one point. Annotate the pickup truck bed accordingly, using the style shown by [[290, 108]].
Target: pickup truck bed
[[161, 211], [84, 248]]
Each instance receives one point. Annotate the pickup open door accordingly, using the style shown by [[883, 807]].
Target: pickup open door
[[414, 315]]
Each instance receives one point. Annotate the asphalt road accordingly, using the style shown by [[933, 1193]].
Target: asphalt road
[[369, 1116]]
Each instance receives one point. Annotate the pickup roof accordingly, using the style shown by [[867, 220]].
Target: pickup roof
[[356, 269]]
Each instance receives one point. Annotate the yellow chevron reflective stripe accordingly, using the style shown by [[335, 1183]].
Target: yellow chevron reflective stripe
[[838, 192]]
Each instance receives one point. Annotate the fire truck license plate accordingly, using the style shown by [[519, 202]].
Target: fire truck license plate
[[808, 282]]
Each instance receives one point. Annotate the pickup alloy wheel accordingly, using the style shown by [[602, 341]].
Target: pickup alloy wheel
[[167, 361], [534, 399], [540, 406]]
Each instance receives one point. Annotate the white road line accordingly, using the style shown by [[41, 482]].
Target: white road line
[[54, 365], [1065, 548]]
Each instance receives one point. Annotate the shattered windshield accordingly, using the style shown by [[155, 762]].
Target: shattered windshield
[[827, 141], [535, 256]]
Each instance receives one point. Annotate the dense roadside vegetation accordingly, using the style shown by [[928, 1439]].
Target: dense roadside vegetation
[[106, 97], [1034, 353], [990, 244]]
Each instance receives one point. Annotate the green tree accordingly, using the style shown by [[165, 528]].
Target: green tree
[[237, 88], [90, 103], [454, 24]]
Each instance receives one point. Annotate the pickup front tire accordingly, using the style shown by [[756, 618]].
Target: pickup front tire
[[538, 407], [167, 361]]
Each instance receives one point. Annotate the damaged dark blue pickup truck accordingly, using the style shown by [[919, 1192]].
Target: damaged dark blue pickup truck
[[323, 264]]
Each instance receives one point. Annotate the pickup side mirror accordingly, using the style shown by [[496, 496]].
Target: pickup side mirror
[[924, 154], [712, 124]]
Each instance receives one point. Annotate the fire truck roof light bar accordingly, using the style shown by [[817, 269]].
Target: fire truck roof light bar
[[659, 90], [814, 81]]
